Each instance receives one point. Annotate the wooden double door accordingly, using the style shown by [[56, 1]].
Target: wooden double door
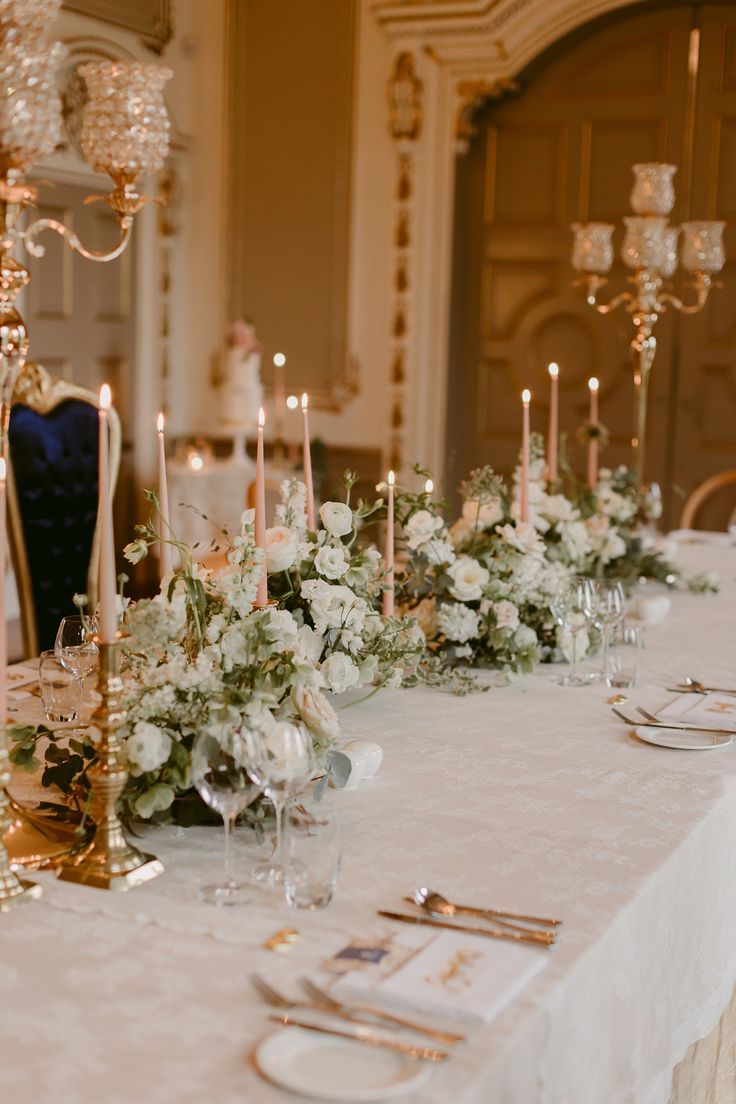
[[644, 85]]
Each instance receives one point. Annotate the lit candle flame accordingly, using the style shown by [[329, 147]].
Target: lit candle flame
[[160, 422], [428, 487], [391, 479], [292, 402], [279, 360], [261, 417], [593, 383], [105, 397], [526, 396], [305, 401], [554, 370], [196, 463], [2, 469]]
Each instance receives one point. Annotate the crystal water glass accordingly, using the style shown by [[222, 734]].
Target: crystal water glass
[[221, 777], [75, 647], [312, 866], [572, 609], [608, 603], [61, 696], [625, 649], [281, 763]]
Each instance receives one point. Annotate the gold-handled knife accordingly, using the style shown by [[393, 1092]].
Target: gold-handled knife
[[361, 1035], [536, 939]]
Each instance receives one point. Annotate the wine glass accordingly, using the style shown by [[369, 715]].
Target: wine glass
[[281, 762], [75, 647], [221, 776], [572, 607], [607, 610]]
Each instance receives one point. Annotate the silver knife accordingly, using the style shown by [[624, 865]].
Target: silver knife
[[546, 940], [361, 1035]]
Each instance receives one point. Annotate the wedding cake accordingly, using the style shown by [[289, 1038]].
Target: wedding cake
[[241, 392]]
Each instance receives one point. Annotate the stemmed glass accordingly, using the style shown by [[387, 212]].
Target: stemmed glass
[[572, 608], [608, 603], [281, 762], [75, 648], [222, 778]]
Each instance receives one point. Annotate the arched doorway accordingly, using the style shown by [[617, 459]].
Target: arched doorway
[[621, 90]]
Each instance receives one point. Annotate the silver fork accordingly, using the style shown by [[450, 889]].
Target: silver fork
[[328, 1002], [322, 1002]]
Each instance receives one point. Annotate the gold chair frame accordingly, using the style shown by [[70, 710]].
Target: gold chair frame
[[42, 392], [702, 493]]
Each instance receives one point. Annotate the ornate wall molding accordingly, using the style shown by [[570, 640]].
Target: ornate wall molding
[[152, 20], [474, 95]]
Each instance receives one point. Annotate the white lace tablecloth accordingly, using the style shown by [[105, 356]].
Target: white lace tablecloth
[[530, 797]]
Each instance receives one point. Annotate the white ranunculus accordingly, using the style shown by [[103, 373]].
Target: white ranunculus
[[484, 515], [281, 549], [339, 673], [468, 579], [337, 518], [148, 747], [507, 615], [316, 712], [331, 562], [421, 527], [458, 622]]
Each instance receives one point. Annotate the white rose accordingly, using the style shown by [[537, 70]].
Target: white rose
[[468, 579], [507, 615], [148, 747], [281, 630], [421, 527], [316, 712], [331, 562], [337, 518], [309, 645], [483, 515], [339, 673], [558, 508], [281, 549]]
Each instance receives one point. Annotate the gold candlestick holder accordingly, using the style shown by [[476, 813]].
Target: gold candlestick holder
[[110, 862], [13, 890]]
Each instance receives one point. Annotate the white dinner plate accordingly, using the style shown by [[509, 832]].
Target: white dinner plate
[[327, 1068], [683, 741]]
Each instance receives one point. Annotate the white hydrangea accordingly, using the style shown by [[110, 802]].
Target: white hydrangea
[[458, 622]]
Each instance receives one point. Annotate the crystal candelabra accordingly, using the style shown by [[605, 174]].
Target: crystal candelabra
[[124, 133], [650, 251]]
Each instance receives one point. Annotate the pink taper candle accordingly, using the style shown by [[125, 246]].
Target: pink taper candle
[[260, 526], [166, 554], [553, 435], [307, 462], [3, 622], [593, 443], [524, 488], [108, 619], [388, 559]]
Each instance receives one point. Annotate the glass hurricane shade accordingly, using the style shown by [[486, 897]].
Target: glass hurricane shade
[[30, 105], [592, 249], [125, 125], [653, 192], [702, 246]]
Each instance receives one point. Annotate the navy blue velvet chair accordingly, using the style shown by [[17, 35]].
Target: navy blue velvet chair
[[52, 498]]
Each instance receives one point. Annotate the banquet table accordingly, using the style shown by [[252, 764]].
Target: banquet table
[[530, 797]]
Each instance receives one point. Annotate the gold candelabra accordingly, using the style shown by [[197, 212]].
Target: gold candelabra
[[124, 133], [110, 862], [13, 890], [650, 250]]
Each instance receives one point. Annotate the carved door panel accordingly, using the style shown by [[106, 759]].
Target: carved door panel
[[80, 317], [558, 152]]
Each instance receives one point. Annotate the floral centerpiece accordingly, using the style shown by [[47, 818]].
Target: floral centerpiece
[[201, 657]]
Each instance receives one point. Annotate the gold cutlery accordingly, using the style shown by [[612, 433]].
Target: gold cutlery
[[693, 686], [536, 939], [325, 1001], [693, 725], [362, 1035], [434, 903], [674, 726]]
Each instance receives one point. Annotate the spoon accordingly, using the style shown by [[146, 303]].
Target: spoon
[[434, 903]]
